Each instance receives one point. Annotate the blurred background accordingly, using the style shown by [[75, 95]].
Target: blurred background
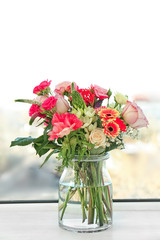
[[114, 44]]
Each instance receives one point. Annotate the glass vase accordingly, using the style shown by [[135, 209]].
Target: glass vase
[[85, 195]]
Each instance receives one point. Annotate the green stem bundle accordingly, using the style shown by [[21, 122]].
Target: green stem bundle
[[94, 195]]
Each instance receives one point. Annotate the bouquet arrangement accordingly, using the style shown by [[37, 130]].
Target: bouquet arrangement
[[77, 122]]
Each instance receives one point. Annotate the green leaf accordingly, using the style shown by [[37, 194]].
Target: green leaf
[[72, 87], [97, 151], [47, 129], [22, 141], [32, 119], [28, 101], [40, 139], [46, 159], [40, 150], [42, 145]]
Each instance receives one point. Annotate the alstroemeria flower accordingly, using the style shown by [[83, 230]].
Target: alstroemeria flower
[[63, 124]]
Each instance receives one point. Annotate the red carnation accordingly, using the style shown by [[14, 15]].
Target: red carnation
[[42, 86], [49, 103], [63, 124], [35, 111]]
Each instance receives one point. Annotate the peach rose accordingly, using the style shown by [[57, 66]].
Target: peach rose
[[62, 105], [64, 86], [134, 116], [98, 138]]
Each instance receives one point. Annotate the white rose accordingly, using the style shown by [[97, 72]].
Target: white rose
[[98, 138], [120, 98]]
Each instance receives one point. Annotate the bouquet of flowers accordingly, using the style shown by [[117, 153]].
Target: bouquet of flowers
[[76, 122]]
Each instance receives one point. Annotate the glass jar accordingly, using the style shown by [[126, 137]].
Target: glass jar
[[85, 195]]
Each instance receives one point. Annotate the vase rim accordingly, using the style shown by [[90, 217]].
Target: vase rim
[[92, 158]]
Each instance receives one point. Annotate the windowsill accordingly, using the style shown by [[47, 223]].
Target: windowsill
[[39, 221]]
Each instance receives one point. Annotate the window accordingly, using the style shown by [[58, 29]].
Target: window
[[114, 45]]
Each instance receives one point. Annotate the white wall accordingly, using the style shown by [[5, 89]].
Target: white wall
[[115, 44]]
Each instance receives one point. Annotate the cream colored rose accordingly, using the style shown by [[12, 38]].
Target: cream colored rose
[[120, 98], [98, 138]]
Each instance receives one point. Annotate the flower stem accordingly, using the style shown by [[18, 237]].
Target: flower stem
[[70, 196], [65, 203], [91, 207], [82, 204]]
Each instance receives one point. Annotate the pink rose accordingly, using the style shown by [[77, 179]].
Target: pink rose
[[64, 87], [133, 115], [62, 105], [63, 124], [42, 86], [49, 103], [40, 99], [99, 92]]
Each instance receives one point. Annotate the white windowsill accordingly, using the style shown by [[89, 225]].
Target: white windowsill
[[138, 221]]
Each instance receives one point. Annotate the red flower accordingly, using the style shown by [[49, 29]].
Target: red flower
[[87, 96], [49, 103], [63, 124], [42, 86], [111, 128], [35, 111], [121, 124]]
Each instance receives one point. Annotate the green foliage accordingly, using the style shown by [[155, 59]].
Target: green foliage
[[97, 151], [49, 155], [41, 144], [74, 144], [99, 122], [22, 141], [77, 100], [28, 101]]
